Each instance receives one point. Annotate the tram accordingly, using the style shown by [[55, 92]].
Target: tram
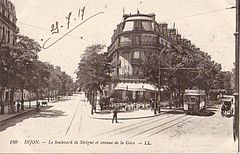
[[194, 101]]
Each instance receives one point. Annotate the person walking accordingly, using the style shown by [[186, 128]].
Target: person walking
[[2, 106], [18, 107], [115, 114]]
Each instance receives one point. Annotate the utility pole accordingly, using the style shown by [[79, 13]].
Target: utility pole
[[237, 48], [159, 80]]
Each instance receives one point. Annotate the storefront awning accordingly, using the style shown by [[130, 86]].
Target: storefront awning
[[135, 87]]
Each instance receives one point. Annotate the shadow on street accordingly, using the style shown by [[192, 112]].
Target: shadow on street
[[44, 113]]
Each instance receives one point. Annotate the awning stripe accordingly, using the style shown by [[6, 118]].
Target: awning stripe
[[135, 87]]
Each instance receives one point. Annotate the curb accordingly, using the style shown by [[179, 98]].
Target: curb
[[18, 114], [24, 112], [128, 118]]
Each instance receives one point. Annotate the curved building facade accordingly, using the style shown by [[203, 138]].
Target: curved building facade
[[134, 38]]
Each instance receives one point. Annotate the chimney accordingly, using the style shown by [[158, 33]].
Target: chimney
[[173, 31], [179, 38], [125, 16], [163, 25]]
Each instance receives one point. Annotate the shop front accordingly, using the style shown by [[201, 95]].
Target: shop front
[[134, 96]]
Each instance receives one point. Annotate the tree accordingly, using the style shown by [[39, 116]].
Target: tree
[[93, 72], [29, 49], [184, 69], [15, 62]]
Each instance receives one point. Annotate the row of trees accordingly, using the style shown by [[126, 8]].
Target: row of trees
[[183, 68], [180, 69], [20, 69], [93, 72]]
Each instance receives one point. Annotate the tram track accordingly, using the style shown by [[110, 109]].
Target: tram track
[[158, 126], [80, 121], [145, 124], [69, 126], [134, 124], [168, 127]]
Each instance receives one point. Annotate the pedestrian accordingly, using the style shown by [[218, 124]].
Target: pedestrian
[[18, 106], [115, 114], [2, 106], [152, 104]]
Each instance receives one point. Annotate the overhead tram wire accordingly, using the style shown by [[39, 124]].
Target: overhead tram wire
[[203, 13]]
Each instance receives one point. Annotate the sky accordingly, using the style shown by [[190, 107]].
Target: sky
[[206, 23]]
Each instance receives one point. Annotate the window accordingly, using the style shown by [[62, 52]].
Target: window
[[149, 39], [156, 28], [128, 26], [137, 25], [193, 99], [136, 55], [136, 40], [3, 33], [125, 40], [147, 26]]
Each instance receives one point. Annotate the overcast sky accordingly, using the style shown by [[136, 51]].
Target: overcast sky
[[205, 22]]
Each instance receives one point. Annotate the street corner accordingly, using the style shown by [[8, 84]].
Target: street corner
[[124, 115]]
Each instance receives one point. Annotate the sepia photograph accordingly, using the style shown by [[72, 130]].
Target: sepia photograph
[[119, 76]]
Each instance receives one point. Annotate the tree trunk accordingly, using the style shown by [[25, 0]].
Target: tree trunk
[[1, 100], [95, 102], [91, 100], [11, 103], [51, 95], [48, 95], [171, 99], [37, 103], [22, 99]]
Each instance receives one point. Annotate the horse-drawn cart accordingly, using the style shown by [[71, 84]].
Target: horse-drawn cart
[[227, 107]]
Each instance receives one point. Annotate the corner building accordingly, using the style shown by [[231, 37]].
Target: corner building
[[134, 38]]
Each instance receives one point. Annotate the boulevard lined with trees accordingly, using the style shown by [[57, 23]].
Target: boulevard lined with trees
[[21, 69]]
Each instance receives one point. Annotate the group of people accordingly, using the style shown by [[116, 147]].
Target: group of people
[[154, 106]]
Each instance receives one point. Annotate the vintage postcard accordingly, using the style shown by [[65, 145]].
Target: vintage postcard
[[119, 76]]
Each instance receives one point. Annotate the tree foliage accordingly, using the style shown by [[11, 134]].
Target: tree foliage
[[21, 69], [93, 71], [181, 68]]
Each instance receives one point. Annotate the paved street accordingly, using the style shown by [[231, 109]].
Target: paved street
[[69, 120]]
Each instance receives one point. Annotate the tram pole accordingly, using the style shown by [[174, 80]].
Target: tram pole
[[237, 48]]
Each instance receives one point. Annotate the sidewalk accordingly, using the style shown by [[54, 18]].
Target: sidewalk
[[6, 117], [137, 114], [27, 109]]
